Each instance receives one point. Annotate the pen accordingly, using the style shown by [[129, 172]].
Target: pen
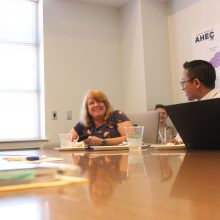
[[24, 158]]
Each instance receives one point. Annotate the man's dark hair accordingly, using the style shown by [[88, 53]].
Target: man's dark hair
[[159, 106], [202, 70]]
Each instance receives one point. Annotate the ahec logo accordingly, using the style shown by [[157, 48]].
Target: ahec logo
[[208, 35]]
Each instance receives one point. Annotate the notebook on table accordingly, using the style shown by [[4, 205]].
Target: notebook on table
[[198, 123]]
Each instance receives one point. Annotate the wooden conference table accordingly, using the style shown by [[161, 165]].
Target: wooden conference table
[[152, 184]]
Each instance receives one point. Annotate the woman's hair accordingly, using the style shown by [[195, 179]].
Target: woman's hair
[[98, 96]]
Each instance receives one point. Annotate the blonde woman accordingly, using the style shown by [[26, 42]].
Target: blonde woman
[[99, 124]]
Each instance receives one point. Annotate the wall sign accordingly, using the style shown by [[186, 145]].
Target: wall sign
[[206, 46]]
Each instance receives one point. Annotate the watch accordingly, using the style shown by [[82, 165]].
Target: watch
[[104, 142]]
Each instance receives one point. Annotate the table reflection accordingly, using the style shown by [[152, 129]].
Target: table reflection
[[136, 165], [163, 167], [104, 173], [198, 183], [30, 209]]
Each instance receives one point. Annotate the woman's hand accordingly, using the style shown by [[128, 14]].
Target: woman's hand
[[75, 136], [93, 141]]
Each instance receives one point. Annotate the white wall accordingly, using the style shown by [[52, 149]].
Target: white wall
[[132, 58], [82, 51], [90, 46], [145, 49], [177, 5], [182, 25], [156, 53]]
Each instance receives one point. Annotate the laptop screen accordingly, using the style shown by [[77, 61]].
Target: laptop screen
[[150, 121], [198, 123]]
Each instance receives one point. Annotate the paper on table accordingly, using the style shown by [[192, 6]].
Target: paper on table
[[14, 173], [60, 181], [76, 146], [48, 159], [22, 159], [93, 148]]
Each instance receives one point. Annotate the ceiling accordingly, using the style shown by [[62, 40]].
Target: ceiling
[[113, 3]]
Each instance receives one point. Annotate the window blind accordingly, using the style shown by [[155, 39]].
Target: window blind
[[19, 75]]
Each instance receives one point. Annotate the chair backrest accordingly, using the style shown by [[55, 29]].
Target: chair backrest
[[150, 121]]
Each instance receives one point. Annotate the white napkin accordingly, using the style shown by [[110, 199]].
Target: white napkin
[[78, 144]]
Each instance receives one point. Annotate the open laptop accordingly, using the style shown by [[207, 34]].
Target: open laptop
[[198, 123], [150, 121]]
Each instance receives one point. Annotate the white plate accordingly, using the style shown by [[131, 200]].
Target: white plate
[[168, 146], [97, 148]]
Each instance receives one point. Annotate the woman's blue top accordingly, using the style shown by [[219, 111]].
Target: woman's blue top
[[107, 130]]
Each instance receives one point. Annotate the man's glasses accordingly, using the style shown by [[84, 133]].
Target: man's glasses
[[184, 81]]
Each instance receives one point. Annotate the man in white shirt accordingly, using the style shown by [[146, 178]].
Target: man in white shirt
[[198, 82]]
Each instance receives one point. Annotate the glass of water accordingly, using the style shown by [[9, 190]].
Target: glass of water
[[65, 140], [134, 136]]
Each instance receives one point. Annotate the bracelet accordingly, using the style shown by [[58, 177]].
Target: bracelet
[[104, 142]]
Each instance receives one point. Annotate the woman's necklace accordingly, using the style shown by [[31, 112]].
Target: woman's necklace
[[163, 134]]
